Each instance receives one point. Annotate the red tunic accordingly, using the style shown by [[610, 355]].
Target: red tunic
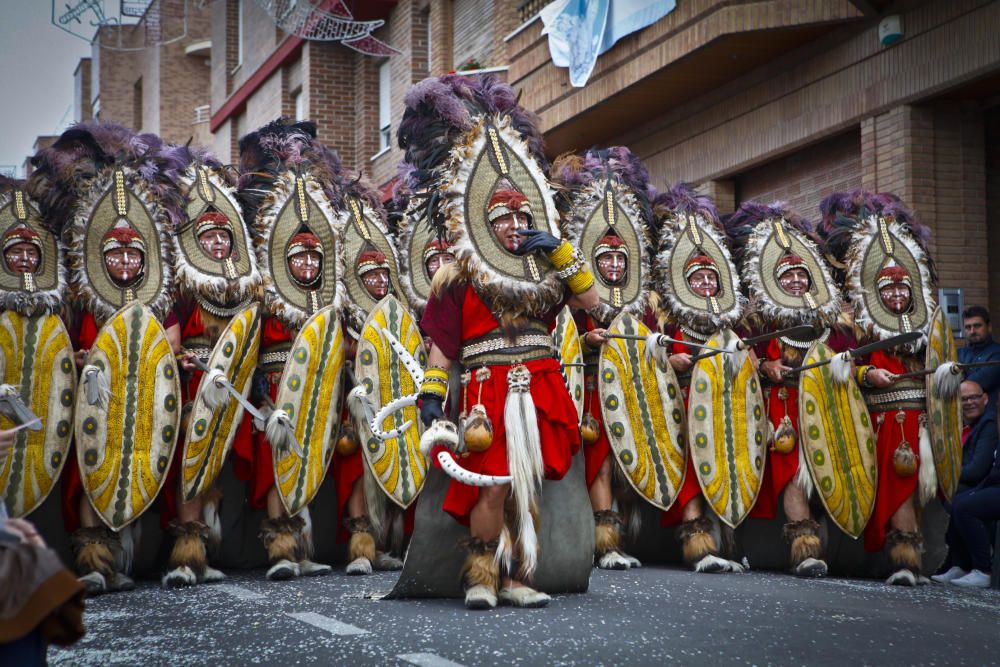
[[892, 489], [253, 461], [690, 489], [598, 451], [459, 315], [83, 337]]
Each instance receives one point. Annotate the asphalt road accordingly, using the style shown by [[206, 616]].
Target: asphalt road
[[650, 616]]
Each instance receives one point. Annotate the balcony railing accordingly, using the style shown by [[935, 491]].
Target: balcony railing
[[528, 8]]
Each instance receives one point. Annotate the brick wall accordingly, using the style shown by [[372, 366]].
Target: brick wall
[[328, 75], [82, 92], [991, 137], [806, 176], [442, 35], [473, 32]]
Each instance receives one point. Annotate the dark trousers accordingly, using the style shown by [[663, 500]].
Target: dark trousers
[[967, 536]]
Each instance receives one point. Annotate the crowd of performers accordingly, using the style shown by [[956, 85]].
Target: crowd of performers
[[164, 313]]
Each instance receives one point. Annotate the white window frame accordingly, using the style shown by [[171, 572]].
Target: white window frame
[[299, 104], [384, 107], [239, 32]]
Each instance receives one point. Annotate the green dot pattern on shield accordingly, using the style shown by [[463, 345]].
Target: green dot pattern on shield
[[810, 407], [814, 432], [676, 414], [227, 349], [671, 391], [366, 358], [168, 371], [757, 462], [373, 445], [819, 458], [56, 459], [611, 403], [66, 397], [705, 469], [170, 403], [90, 457], [161, 464], [294, 382], [756, 412], [66, 365], [758, 437], [700, 413], [618, 429], [608, 376], [90, 426], [578, 392], [701, 386], [753, 385], [856, 393], [168, 433], [864, 419], [626, 457], [200, 426], [301, 355], [289, 409], [62, 429], [870, 446], [701, 440], [826, 484]]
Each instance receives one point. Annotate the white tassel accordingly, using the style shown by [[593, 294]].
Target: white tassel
[[279, 431], [95, 383], [654, 351], [927, 473], [210, 515], [524, 458], [948, 380], [214, 394], [375, 502], [803, 477], [306, 536], [504, 555], [840, 368], [129, 536]]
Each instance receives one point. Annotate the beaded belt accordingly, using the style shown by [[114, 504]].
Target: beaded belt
[[273, 360], [203, 353], [498, 349], [897, 399]]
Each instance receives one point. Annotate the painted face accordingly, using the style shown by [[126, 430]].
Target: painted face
[[896, 297], [305, 267], [217, 243], [506, 227], [437, 260], [376, 282], [124, 265], [704, 282], [22, 258], [794, 282], [612, 266]]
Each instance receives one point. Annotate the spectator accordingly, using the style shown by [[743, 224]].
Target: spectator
[[41, 601], [980, 346]]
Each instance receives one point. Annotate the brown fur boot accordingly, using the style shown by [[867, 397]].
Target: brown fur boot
[[284, 550], [903, 550], [806, 549], [699, 548], [188, 559], [607, 541], [94, 555], [480, 574], [361, 548]]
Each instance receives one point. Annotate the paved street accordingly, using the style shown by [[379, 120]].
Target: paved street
[[646, 617]]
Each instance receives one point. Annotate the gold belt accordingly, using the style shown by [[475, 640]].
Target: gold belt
[[503, 350]]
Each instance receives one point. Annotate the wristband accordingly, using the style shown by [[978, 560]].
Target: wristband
[[581, 281], [861, 375], [562, 256], [435, 382]]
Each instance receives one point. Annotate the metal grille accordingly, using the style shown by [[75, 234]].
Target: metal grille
[[305, 19], [202, 114], [528, 8]]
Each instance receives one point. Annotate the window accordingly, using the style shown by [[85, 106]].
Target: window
[[299, 101], [384, 107]]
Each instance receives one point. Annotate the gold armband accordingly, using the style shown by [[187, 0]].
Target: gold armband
[[581, 281], [562, 256], [435, 382], [861, 376]]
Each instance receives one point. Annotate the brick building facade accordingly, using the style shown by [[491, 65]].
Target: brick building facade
[[747, 99]]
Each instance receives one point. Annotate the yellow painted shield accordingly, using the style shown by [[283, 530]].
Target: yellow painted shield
[[36, 356], [566, 338], [396, 463], [839, 444], [125, 449], [728, 429], [944, 415], [310, 393], [643, 413], [210, 433]]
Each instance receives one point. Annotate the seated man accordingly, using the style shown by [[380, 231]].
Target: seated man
[[979, 443], [979, 347]]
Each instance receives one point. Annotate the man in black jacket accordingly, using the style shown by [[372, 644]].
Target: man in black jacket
[[978, 497], [979, 347]]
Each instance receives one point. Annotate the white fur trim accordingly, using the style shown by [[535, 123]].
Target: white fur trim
[[927, 472], [654, 351], [96, 385], [178, 577], [948, 379], [213, 394], [803, 476], [713, 564], [210, 515], [524, 459], [840, 368], [359, 566], [279, 431], [441, 432]]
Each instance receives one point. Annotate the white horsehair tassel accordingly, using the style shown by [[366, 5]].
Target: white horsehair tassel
[[213, 393], [524, 459], [927, 473]]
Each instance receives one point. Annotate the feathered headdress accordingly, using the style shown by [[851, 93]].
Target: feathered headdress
[[41, 291], [606, 194], [769, 240], [866, 233], [466, 138], [689, 227], [94, 176]]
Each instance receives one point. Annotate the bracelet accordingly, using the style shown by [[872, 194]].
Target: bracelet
[[436, 373], [435, 382], [561, 256], [581, 281], [861, 375]]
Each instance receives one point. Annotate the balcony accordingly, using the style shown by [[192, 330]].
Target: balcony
[[695, 49]]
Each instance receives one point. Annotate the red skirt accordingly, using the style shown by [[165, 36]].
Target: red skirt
[[598, 451], [780, 468], [892, 489], [557, 427], [690, 489]]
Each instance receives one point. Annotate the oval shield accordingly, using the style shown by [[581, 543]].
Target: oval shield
[[210, 432], [728, 429], [310, 393], [836, 432], [643, 413], [397, 464], [944, 415], [125, 447], [566, 338], [37, 357]]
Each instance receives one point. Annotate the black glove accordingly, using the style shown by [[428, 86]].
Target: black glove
[[536, 239], [431, 408]]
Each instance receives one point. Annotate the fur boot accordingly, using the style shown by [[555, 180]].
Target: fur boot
[[188, 558], [700, 550], [307, 567], [480, 574], [94, 555], [284, 548], [361, 548], [903, 550], [806, 550], [607, 541]]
